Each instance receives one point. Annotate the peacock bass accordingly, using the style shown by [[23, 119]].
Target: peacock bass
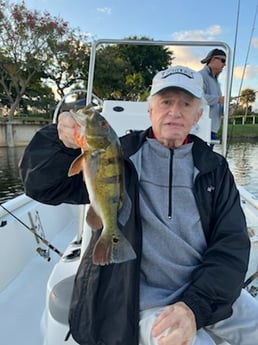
[[101, 162]]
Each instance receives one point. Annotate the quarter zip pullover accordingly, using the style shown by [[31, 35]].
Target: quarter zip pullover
[[167, 205]]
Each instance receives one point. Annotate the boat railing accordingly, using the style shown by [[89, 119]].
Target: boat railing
[[228, 71]]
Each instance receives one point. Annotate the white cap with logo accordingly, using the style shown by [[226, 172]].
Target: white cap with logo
[[178, 76]]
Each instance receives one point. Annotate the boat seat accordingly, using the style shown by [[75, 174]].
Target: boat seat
[[60, 298]]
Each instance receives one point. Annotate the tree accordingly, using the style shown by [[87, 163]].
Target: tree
[[70, 61], [125, 71], [26, 38], [146, 59], [110, 73], [247, 96], [38, 99]]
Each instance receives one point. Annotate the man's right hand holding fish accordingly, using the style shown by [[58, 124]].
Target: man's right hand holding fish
[[65, 127]]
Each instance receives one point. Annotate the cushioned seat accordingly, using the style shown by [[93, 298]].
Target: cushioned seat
[[59, 299]]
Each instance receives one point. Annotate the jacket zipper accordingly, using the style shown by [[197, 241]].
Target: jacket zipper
[[170, 184]]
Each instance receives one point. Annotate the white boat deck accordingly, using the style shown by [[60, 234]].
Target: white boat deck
[[21, 313]]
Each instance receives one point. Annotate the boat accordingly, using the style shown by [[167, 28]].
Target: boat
[[42, 245]]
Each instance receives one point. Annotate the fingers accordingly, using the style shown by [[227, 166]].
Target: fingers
[[175, 325], [65, 127]]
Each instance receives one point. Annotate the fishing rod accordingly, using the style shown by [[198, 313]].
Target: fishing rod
[[32, 229], [246, 59], [232, 71], [234, 49], [250, 279], [248, 50]]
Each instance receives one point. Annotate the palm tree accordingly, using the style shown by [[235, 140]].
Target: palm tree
[[247, 96]]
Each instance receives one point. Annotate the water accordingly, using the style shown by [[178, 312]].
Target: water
[[243, 162], [242, 158], [10, 182]]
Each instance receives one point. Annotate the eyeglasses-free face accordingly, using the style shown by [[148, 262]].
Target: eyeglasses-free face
[[221, 59]]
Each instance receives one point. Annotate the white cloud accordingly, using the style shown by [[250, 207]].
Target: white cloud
[[255, 42], [199, 35], [105, 10], [250, 72], [185, 56], [189, 55]]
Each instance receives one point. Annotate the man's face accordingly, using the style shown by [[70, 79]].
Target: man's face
[[217, 64], [173, 112]]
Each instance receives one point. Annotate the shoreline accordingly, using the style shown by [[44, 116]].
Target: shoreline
[[22, 132]]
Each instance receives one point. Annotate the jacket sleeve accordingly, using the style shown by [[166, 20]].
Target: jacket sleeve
[[217, 283], [44, 170]]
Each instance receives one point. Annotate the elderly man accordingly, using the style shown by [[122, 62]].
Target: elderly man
[[186, 226]]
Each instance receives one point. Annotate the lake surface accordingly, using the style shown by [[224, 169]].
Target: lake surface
[[243, 162], [242, 158], [10, 182]]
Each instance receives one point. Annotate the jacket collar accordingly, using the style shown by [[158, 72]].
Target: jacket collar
[[204, 158]]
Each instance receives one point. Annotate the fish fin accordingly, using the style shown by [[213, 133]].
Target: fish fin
[[93, 219], [76, 166], [117, 250]]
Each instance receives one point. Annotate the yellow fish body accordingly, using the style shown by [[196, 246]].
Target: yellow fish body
[[102, 164]]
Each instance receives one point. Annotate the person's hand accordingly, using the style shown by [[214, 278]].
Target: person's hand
[[176, 325], [221, 99], [65, 127]]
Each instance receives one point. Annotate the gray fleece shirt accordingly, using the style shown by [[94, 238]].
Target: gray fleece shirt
[[173, 238]]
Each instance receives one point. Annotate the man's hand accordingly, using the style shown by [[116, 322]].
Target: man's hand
[[176, 325], [65, 127]]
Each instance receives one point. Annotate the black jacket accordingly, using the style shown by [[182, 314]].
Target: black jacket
[[105, 303]]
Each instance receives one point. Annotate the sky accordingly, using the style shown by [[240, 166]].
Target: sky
[[233, 22]]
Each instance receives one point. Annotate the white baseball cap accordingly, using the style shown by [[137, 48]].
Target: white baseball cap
[[178, 76]]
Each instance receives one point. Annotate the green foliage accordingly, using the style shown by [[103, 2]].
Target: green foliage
[[247, 131], [36, 48], [146, 59], [110, 73], [125, 71], [39, 53], [70, 61], [248, 96]]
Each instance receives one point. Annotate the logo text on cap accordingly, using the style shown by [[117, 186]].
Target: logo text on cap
[[182, 71]]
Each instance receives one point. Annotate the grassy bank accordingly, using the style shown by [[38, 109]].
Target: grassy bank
[[247, 131]]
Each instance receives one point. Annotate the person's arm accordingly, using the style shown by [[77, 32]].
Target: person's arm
[[45, 164], [217, 283]]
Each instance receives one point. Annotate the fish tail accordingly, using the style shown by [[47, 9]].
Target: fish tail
[[116, 250]]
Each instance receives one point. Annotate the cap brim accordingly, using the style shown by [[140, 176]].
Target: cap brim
[[205, 60]]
